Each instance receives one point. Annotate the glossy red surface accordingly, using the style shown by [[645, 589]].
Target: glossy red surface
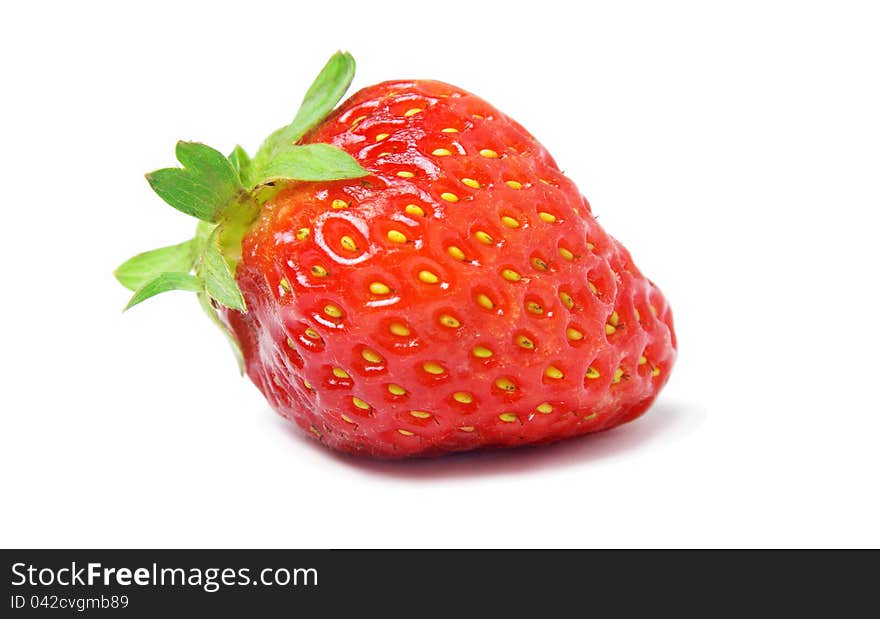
[[538, 327]]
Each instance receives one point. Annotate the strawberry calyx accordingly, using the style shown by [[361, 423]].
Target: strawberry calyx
[[226, 195]]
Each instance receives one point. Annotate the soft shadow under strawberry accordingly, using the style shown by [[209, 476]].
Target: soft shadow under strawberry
[[667, 420]]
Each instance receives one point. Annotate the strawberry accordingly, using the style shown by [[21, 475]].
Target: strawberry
[[412, 275]]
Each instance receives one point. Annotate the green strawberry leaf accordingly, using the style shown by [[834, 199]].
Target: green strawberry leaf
[[323, 95], [206, 185], [227, 194], [164, 283], [312, 162], [204, 229], [325, 92], [241, 163], [147, 266], [219, 279]]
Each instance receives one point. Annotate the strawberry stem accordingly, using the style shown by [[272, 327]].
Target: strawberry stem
[[227, 193]]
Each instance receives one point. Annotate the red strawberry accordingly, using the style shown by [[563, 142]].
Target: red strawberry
[[461, 295]]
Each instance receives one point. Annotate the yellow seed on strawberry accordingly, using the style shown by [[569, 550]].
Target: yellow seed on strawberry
[[449, 321], [523, 342], [455, 252], [428, 277], [434, 368], [510, 275], [554, 373], [378, 288], [348, 243], [481, 352], [505, 384], [573, 334], [371, 356], [462, 397], [483, 238], [396, 390], [399, 329]]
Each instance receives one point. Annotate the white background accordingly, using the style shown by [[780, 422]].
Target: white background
[[733, 147]]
